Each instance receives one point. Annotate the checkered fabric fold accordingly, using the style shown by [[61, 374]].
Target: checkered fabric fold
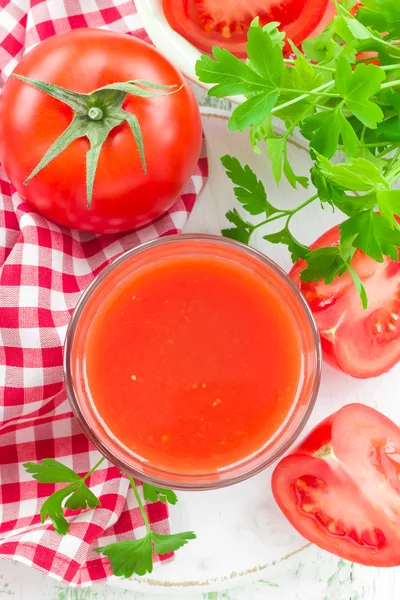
[[43, 270]]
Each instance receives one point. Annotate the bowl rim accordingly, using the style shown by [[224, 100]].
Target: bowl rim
[[173, 480]]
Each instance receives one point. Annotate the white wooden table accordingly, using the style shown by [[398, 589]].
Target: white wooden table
[[311, 575]]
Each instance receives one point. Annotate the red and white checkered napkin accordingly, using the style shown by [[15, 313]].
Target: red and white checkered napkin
[[43, 270]]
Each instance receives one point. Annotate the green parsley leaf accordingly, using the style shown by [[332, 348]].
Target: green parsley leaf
[[53, 508], [328, 262], [82, 498], [153, 493], [250, 190], [164, 544], [357, 87], [242, 230], [276, 147], [390, 97], [277, 152], [265, 56], [382, 15], [260, 82], [358, 284], [136, 556], [277, 37], [351, 30], [389, 206], [296, 248], [388, 131], [292, 178], [350, 140], [372, 235], [327, 190], [51, 471], [77, 494], [323, 130], [334, 195], [371, 18], [252, 112], [129, 557], [357, 175], [325, 50], [322, 264], [302, 77], [231, 75]]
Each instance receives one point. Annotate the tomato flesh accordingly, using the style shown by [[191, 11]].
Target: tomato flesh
[[206, 23], [340, 488], [362, 343], [315, 500]]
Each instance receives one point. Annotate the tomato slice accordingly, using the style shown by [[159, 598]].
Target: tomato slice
[[362, 343], [340, 488], [208, 23]]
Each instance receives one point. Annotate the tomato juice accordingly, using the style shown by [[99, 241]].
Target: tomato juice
[[191, 357]]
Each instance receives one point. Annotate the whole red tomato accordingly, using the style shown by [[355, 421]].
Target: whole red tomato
[[124, 197], [362, 343], [340, 487]]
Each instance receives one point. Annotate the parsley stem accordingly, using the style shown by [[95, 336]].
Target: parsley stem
[[323, 87], [286, 213], [393, 160], [140, 503], [377, 144], [393, 174], [300, 207], [390, 84], [388, 67], [384, 152], [291, 61], [386, 43], [311, 93], [283, 213], [92, 470]]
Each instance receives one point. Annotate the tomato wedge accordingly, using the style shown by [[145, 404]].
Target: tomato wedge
[[340, 488], [224, 23], [362, 343]]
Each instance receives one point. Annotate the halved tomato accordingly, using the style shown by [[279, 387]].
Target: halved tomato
[[362, 343], [224, 23], [330, 13], [340, 488]]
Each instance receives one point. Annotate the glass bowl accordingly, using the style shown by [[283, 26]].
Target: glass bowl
[[186, 246]]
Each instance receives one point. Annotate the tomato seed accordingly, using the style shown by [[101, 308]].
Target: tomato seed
[[301, 484]]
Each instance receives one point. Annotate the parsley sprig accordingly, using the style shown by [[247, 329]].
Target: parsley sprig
[[127, 557], [343, 107], [136, 556]]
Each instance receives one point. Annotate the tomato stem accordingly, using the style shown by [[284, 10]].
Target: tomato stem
[[95, 113]]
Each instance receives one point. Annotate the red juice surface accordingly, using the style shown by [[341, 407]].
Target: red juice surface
[[193, 363]]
